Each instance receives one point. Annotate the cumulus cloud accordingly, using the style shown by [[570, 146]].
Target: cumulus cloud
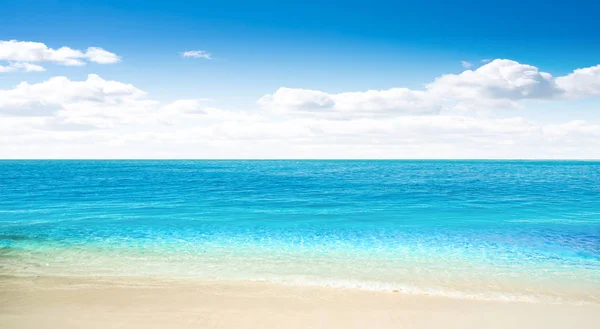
[[581, 82], [369, 103], [61, 117], [94, 101], [298, 99], [26, 52], [500, 83], [499, 79], [62, 91], [197, 54]]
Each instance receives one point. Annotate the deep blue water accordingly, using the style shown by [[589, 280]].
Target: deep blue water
[[490, 229]]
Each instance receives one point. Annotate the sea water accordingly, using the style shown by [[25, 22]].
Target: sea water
[[509, 230]]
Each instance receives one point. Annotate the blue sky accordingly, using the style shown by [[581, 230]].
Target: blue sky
[[334, 47]]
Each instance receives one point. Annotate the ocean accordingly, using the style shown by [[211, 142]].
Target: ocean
[[501, 230]]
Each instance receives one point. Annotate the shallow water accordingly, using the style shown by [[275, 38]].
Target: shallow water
[[526, 230]]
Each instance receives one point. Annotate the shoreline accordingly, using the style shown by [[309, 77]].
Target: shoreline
[[520, 294], [126, 302]]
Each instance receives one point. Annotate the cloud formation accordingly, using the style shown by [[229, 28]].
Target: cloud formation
[[22, 53], [350, 104], [96, 118], [500, 83], [581, 83], [21, 66], [197, 54], [93, 102]]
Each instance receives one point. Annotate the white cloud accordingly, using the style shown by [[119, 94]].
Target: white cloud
[[368, 103], [97, 118], [500, 79], [197, 54], [62, 91], [466, 64], [436, 136], [27, 52], [21, 66], [28, 67], [581, 82], [101, 56], [298, 100], [180, 110], [185, 106], [94, 101], [499, 84]]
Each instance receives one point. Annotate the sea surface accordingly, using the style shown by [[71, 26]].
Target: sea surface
[[508, 230]]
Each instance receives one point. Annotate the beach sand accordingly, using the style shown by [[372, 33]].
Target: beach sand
[[44, 302]]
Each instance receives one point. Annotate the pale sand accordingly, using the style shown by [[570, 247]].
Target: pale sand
[[143, 303]]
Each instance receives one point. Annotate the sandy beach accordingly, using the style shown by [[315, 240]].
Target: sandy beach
[[63, 302]]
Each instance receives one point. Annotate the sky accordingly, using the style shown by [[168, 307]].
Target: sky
[[299, 79]]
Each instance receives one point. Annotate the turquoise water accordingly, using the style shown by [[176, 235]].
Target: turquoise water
[[514, 230]]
